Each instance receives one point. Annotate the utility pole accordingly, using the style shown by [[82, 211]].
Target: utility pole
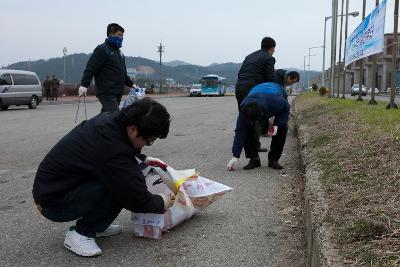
[[340, 51], [360, 83], [392, 104], [344, 54], [160, 49], [373, 73]]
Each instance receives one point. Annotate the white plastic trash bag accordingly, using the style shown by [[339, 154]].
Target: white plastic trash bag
[[133, 95], [193, 193]]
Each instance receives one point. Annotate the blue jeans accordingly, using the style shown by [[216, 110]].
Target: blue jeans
[[90, 204]]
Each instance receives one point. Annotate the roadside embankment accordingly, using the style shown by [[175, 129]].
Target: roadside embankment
[[351, 156]]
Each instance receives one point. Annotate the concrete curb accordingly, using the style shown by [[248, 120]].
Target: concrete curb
[[321, 249]]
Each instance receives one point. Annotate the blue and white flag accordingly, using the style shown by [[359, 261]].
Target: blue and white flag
[[368, 38]]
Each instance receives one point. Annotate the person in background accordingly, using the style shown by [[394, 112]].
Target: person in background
[[55, 84], [286, 78], [107, 66], [47, 87]]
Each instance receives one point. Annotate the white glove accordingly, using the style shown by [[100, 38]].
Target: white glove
[[168, 200], [155, 162], [232, 164], [82, 90], [272, 131]]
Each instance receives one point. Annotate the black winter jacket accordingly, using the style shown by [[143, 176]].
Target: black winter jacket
[[258, 67], [96, 149], [107, 66], [281, 77]]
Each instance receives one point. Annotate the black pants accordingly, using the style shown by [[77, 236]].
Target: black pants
[[252, 142], [54, 93], [241, 91], [277, 144], [109, 103], [48, 95], [90, 203]]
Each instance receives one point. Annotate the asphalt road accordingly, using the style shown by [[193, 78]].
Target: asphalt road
[[254, 225]]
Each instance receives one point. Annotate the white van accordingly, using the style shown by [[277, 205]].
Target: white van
[[19, 87]]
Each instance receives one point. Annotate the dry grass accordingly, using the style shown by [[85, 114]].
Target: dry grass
[[358, 150]]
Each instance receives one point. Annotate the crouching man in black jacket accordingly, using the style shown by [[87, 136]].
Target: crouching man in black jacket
[[93, 172]]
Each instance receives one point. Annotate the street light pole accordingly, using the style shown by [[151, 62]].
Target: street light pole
[[160, 50], [304, 73], [333, 47], [354, 14], [65, 53], [340, 50], [309, 63], [323, 53]]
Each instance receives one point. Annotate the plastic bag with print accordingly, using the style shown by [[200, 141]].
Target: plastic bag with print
[[134, 94], [193, 193]]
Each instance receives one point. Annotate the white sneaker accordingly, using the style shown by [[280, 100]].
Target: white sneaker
[[81, 245], [113, 229]]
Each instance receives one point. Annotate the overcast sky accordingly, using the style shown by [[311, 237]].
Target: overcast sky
[[198, 32]]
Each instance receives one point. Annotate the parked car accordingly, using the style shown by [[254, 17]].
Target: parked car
[[195, 90], [370, 91], [355, 90], [18, 87], [397, 90]]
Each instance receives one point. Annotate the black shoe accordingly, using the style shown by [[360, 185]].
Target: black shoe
[[275, 165], [262, 149], [253, 163]]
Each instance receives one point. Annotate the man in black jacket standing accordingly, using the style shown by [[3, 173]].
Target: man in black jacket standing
[[258, 67], [107, 66], [94, 172]]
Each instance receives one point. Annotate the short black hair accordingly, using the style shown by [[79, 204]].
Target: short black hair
[[150, 117], [113, 28], [267, 43], [252, 111], [293, 75]]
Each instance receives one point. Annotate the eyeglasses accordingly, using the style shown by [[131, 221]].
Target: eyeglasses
[[149, 141]]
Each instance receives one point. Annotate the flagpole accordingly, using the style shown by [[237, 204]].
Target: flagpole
[[344, 53], [360, 81], [392, 104], [373, 73]]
